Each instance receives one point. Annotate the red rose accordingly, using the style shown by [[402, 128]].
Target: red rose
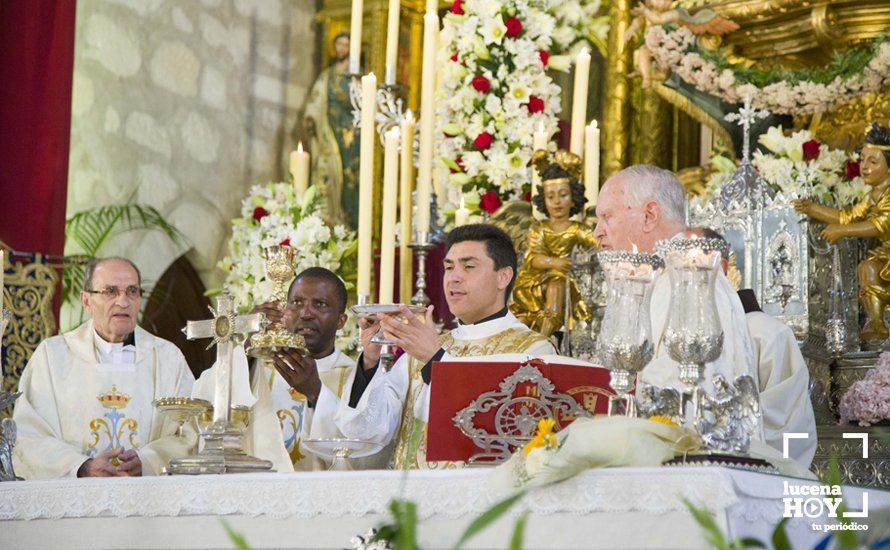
[[811, 150], [527, 196], [259, 213], [456, 7], [490, 202], [285, 242], [545, 57], [483, 141], [454, 58], [481, 84], [514, 27], [535, 104], [852, 169]]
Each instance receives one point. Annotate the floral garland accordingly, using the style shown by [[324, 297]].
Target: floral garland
[[271, 215], [798, 166], [850, 75], [495, 91]]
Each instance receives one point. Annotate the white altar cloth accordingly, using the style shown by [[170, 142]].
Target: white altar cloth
[[610, 508]]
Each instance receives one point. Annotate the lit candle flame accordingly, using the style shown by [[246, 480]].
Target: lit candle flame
[[634, 248], [300, 147]]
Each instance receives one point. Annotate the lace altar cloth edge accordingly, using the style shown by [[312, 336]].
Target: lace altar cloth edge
[[335, 494]]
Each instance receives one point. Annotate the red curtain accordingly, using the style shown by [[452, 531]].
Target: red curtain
[[36, 66]]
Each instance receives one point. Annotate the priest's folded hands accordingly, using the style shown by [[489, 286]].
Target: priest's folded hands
[[112, 463], [419, 338]]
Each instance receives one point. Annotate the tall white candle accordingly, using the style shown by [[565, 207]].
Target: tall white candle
[[427, 118], [355, 36], [366, 183], [462, 214], [406, 176], [539, 142], [299, 169], [579, 101], [591, 162], [388, 225], [392, 41]]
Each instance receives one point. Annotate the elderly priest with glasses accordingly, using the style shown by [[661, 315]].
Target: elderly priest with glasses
[[86, 404]]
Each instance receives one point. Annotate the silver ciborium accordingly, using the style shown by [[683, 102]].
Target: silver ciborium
[[625, 339], [693, 335], [280, 267]]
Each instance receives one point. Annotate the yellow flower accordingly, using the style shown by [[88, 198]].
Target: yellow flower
[[663, 420], [544, 437]]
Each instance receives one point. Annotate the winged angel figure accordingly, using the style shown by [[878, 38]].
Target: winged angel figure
[[659, 12], [544, 282]]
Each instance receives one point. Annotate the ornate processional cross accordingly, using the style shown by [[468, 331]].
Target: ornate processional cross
[[227, 330], [746, 116], [222, 450]]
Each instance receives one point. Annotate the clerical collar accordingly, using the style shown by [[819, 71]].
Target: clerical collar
[[498, 315], [130, 340]]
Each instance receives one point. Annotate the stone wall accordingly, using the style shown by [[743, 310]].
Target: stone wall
[[183, 105]]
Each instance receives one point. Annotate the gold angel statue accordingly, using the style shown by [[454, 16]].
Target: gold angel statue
[[869, 218], [539, 296], [659, 12]]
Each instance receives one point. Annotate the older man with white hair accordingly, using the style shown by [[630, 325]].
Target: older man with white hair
[[639, 206]]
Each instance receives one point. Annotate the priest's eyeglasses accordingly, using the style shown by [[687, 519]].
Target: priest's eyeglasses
[[112, 292]]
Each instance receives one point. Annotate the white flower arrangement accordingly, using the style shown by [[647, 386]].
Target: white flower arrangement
[[495, 91], [271, 215], [676, 49], [798, 166]]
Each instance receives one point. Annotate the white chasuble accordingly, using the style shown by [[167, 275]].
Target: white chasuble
[[296, 419], [73, 407], [784, 387], [395, 405]]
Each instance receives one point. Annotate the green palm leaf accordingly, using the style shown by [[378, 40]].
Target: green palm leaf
[[92, 229]]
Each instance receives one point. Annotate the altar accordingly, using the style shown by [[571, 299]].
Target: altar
[[608, 508]]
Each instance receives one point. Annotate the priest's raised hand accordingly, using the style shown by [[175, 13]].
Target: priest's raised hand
[[419, 339], [271, 310], [300, 371]]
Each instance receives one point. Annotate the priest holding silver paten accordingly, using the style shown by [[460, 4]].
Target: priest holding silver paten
[[480, 267], [86, 404]]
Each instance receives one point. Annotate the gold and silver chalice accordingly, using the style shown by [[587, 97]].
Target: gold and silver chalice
[[280, 268]]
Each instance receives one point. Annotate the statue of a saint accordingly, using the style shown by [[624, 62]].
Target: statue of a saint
[[333, 140], [868, 218], [539, 296]]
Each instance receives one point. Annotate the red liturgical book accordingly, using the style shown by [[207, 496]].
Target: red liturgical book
[[507, 398]]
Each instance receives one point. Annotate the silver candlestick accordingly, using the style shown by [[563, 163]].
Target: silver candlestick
[[693, 335], [625, 340], [7, 398], [390, 109], [421, 247]]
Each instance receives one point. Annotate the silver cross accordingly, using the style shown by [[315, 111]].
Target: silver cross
[[746, 116], [226, 329]]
